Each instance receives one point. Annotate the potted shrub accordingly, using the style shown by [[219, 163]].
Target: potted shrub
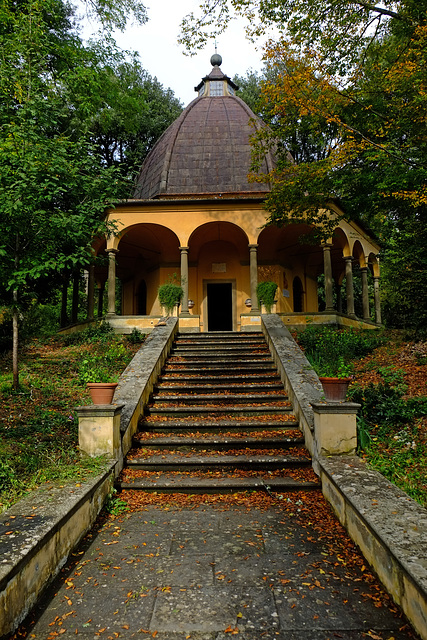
[[334, 376], [266, 293], [170, 294], [99, 381]]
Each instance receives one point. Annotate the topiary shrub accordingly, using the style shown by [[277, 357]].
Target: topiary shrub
[[170, 294], [266, 292]]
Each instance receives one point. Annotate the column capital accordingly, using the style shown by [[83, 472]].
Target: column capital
[[184, 248], [253, 246], [112, 251]]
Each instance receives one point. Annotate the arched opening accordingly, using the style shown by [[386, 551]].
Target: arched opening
[[147, 255], [142, 299], [218, 274]]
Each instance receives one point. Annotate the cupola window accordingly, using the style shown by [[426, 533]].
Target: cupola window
[[216, 88]]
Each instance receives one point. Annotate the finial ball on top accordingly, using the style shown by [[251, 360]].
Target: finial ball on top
[[216, 60]]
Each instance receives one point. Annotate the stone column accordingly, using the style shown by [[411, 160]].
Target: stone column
[[91, 293], [327, 268], [111, 311], [377, 300], [365, 294], [253, 270], [349, 286], [184, 281]]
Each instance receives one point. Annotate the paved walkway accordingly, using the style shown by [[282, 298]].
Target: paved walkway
[[210, 573]]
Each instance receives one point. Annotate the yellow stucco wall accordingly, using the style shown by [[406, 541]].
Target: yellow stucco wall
[[217, 234]]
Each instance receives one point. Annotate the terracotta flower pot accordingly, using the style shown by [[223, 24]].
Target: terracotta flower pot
[[335, 389], [102, 392]]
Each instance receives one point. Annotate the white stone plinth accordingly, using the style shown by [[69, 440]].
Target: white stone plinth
[[99, 430], [335, 429]]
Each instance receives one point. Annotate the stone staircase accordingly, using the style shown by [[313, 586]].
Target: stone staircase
[[219, 421]]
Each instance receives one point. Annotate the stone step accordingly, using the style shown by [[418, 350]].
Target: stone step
[[240, 367], [204, 388], [209, 379], [196, 435], [225, 398], [177, 483], [219, 355], [191, 410], [213, 425], [220, 348], [178, 461], [219, 335], [217, 442]]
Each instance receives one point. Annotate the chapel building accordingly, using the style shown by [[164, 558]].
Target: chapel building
[[194, 214]]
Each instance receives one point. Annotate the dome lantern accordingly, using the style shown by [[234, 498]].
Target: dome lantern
[[216, 83], [206, 152]]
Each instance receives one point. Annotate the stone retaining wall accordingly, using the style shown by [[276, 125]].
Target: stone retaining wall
[[38, 533], [387, 525], [36, 536]]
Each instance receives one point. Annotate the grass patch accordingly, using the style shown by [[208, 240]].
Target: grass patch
[[38, 423]]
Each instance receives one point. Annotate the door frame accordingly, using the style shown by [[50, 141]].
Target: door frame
[[233, 300]]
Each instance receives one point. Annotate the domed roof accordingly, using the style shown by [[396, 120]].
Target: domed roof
[[206, 151]]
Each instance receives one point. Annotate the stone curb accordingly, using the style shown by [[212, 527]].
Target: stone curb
[[38, 533], [137, 381], [300, 380]]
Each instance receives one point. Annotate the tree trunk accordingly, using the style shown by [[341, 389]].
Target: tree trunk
[[75, 302], [15, 325], [15, 340], [64, 300]]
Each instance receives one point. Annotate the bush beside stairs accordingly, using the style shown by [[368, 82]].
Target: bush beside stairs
[[219, 420]]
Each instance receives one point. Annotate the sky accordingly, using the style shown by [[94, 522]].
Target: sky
[[162, 57]]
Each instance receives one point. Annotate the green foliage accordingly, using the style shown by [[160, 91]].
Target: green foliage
[[114, 505], [115, 14], [99, 366], [136, 336], [381, 404], [250, 87], [98, 332], [170, 294], [39, 430], [384, 406], [266, 292], [402, 461], [331, 351], [133, 111], [68, 115], [8, 476]]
